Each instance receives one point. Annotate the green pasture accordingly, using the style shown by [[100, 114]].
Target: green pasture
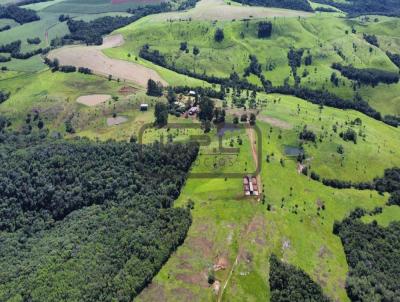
[[53, 94], [323, 36], [359, 162]]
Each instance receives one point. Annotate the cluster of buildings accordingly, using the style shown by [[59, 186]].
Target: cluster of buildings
[[250, 186]]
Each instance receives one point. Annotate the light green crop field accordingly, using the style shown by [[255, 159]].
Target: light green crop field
[[323, 35]]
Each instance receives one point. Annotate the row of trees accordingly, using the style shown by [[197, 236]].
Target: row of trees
[[34, 40], [366, 7], [368, 76], [395, 58], [303, 5], [18, 14], [389, 182], [158, 58], [371, 39], [372, 253], [55, 66], [320, 97], [5, 27]]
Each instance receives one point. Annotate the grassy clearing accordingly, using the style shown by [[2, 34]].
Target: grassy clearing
[[360, 162], [55, 98], [389, 214]]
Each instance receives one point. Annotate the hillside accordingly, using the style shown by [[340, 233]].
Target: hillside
[[204, 150]]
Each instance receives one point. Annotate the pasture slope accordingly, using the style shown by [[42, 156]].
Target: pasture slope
[[323, 36], [231, 236], [242, 232]]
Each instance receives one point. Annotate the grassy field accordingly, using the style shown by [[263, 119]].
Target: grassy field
[[323, 35], [294, 219], [55, 98], [242, 232]]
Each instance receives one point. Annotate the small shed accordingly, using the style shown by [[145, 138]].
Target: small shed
[[144, 107]]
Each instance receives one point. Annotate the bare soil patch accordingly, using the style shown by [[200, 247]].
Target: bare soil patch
[[93, 99], [112, 121], [182, 294], [126, 90], [201, 244], [93, 58], [153, 292], [275, 122], [221, 263], [219, 10], [199, 279]]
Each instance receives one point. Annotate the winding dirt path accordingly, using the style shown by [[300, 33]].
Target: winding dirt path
[[243, 237], [92, 57]]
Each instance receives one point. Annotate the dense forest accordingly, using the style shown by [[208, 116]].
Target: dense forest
[[362, 7], [368, 76], [289, 283], [372, 253], [18, 14], [289, 4], [84, 220]]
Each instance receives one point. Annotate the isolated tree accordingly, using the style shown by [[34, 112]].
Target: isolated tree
[[206, 107], [252, 119], [264, 29], [183, 46], [161, 114], [153, 88], [171, 96], [219, 35]]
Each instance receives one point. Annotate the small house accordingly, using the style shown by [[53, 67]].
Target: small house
[[144, 107], [192, 93]]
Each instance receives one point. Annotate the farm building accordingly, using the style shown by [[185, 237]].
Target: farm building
[[144, 107], [192, 93], [250, 186], [193, 110]]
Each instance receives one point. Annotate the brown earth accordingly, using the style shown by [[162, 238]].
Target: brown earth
[[93, 99], [112, 121], [275, 122], [219, 10], [93, 58]]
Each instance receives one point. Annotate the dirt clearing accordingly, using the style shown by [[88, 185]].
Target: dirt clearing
[[113, 121], [93, 99], [219, 10], [275, 122], [93, 58]]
